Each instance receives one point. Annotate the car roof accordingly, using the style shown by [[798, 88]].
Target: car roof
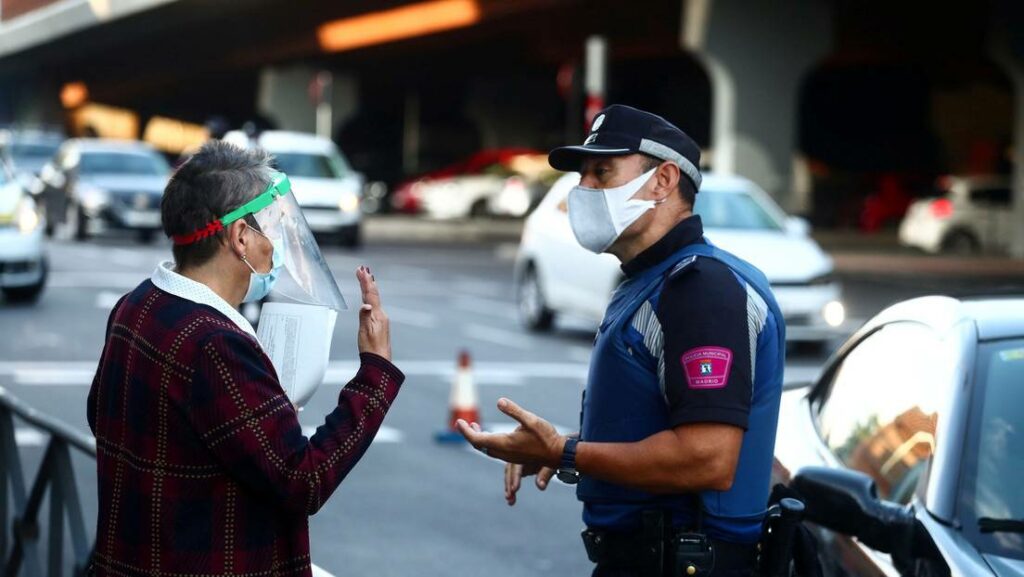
[[111, 145], [285, 141], [994, 317]]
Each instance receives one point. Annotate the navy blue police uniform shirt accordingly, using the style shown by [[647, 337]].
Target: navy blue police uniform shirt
[[701, 348], [703, 318]]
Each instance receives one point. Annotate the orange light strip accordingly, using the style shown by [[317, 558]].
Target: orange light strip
[[397, 24]]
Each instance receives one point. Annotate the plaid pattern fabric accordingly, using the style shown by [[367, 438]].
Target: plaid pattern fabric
[[203, 467]]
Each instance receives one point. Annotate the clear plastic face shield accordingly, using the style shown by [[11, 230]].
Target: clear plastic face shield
[[306, 278], [296, 328]]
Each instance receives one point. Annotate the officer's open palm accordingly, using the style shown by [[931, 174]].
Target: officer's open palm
[[374, 331], [535, 442]]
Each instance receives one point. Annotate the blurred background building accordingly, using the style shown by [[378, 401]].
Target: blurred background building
[[844, 110]]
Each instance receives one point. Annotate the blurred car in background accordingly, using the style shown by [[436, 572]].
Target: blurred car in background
[[328, 190], [555, 275], [499, 182], [94, 185], [27, 151], [907, 449], [22, 258], [971, 214]]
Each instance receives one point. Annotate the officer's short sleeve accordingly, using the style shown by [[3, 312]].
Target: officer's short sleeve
[[703, 314]]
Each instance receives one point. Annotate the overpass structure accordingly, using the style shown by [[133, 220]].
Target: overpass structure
[[798, 95]]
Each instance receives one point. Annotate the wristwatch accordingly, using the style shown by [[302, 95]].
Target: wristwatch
[[567, 472]]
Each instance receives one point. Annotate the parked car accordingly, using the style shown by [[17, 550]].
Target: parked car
[[328, 190], [908, 448], [27, 151], [971, 214], [554, 275], [496, 182], [94, 185], [22, 257]]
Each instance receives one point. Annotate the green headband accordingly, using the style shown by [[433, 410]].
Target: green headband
[[279, 186]]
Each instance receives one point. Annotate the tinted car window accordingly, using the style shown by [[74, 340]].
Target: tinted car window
[[122, 163], [994, 458], [309, 165], [1000, 196], [881, 410], [737, 210]]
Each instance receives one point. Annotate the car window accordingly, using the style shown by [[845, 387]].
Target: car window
[[122, 163], [26, 150], [310, 165], [994, 456], [997, 196], [881, 410], [735, 210]]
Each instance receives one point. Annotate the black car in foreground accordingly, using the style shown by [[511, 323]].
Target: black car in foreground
[[908, 450]]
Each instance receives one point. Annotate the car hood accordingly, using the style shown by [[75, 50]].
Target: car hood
[[127, 182], [322, 191], [1005, 566], [10, 194], [781, 257]]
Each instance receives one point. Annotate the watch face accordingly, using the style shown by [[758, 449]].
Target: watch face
[[568, 476]]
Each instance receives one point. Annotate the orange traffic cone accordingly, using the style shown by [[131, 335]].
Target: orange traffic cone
[[463, 402]]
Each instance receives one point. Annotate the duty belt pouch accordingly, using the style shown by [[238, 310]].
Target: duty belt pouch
[[694, 556]]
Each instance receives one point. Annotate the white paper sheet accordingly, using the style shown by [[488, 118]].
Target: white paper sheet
[[297, 338]]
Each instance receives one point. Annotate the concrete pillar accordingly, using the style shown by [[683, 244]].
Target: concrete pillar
[[1007, 49], [284, 97], [757, 55]]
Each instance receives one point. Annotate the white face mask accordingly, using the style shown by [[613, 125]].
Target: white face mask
[[598, 216]]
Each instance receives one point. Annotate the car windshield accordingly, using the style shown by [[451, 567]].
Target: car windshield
[[995, 454], [21, 151], [735, 210], [310, 165], [122, 163]]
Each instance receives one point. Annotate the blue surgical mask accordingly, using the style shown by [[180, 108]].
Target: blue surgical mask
[[261, 283]]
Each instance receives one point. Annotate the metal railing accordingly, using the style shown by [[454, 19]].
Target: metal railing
[[21, 534]]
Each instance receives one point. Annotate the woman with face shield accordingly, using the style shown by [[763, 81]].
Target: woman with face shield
[[202, 464]]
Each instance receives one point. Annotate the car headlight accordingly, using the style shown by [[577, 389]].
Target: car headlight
[[93, 199], [26, 216], [348, 202], [834, 314]]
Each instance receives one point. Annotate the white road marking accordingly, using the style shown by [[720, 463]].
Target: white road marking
[[410, 317], [497, 336], [50, 376], [320, 571], [384, 434], [29, 437], [105, 300], [496, 308], [128, 258]]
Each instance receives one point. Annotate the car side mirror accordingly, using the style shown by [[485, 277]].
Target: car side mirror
[[798, 226], [847, 502]]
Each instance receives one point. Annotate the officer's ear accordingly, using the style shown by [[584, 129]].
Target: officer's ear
[[666, 180]]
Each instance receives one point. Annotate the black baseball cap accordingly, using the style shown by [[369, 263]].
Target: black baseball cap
[[619, 130]]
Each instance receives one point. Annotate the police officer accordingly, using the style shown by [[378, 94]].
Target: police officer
[[674, 456]]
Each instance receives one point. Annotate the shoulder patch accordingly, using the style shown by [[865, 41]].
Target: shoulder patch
[[683, 266], [707, 367]]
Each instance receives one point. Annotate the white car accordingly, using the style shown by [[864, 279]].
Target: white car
[[328, 190], [555, 275], [22, 258], [974, 214]]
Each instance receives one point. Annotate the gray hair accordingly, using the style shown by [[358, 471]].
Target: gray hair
[[214, 181]]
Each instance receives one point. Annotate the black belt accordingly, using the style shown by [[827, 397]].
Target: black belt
[[647, 556]]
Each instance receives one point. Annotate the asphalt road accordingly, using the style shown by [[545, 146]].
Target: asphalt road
[[412, 506]]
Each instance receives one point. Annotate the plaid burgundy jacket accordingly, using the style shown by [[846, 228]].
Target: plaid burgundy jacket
[[203, 468]]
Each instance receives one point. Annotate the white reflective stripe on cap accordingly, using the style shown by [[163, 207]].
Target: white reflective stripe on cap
[[663, 152]]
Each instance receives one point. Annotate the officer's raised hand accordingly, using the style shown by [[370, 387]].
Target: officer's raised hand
[[535, 443]]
